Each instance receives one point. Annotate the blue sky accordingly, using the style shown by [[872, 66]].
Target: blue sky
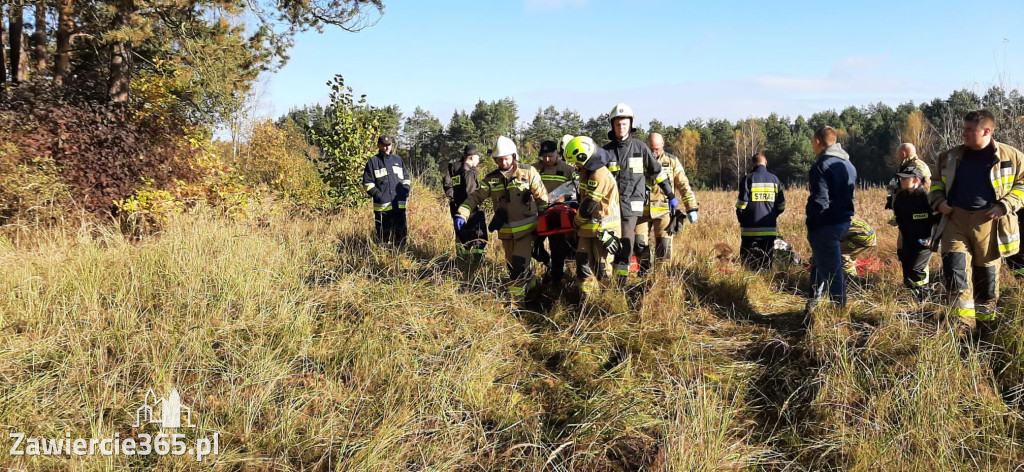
[[671, 60]]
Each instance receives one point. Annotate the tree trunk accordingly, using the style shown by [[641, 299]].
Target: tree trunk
[[121, 56], [17, 27], [65, 27], [3, 53], [39, 38]]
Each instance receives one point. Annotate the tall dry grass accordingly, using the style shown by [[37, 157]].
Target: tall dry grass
[[309, 347]]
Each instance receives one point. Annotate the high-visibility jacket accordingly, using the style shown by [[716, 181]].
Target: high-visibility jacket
[[599, 193], [859, 236], [761, 201], [676, 176], [632, 163], [556, 174], [386, 180], [1007, 176], [518, 193]]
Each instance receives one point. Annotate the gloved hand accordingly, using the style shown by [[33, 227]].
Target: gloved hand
[[459, 223], [675, 223], [610, 242], [692, 215], [672, 204]]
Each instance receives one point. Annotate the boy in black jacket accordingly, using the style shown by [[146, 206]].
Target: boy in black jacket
[[915, 218]]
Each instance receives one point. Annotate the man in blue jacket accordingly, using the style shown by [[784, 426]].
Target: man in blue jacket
[[829, 209], [386, 180], [758, 207]]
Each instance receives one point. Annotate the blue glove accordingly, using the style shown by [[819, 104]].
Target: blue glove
[[672, 204], [692, 215], [459, 223]]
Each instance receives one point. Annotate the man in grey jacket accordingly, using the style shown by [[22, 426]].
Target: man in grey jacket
[[632, 163], [832, 181]]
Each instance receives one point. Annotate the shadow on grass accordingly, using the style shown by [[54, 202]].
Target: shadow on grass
[[781, 396]]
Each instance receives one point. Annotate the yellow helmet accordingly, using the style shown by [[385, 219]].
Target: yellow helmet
[[579, 150]]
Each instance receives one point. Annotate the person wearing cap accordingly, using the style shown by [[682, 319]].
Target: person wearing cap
[[386, 180], [914, 219], [760, 202], [657, 212], [516, 192], [597, 222], [460, 180], [554, 173], [907, 155], [633, 165], [979, 187]]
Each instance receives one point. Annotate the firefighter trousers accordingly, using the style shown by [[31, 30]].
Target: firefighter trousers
[[627, 239], [662, 241], [591, 263], [970, 265], [517, 257], [756, 252], [561, 249], [390, 226], [914, 258]]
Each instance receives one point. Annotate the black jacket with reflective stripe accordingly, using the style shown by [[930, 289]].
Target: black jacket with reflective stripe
[[632, 163], [914, 216], [386, 180], [459, 181], [761, 201]]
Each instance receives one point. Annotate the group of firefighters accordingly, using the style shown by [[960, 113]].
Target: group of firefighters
[[608, 204]]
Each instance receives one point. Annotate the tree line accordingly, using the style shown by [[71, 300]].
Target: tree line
[[713, 151], [211, 51]]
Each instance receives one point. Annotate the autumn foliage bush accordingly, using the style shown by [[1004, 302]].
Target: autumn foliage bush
[[99, 152]]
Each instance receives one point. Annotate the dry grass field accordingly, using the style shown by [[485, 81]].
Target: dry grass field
[[305, 346]]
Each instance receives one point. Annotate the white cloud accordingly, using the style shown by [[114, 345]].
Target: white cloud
[[550, 5], [857, 65]]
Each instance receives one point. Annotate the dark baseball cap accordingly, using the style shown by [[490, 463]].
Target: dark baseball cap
[[385, 140], [548, 148], [908, 172], [469, 150]]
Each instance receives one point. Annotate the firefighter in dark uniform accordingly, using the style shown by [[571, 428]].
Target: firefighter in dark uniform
[[460, 180], [761, 201], [632, 163], [386, 180], [554, 173], [914, 218]]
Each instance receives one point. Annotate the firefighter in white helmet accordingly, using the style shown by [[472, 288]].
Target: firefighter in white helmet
[[633, 165], [516, 191]]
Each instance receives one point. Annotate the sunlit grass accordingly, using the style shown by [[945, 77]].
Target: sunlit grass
[[309, 347]]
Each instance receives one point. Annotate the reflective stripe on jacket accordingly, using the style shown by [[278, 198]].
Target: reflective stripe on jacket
[[385, 179], [601, 187], [519, 194], [761, 200], [1007, 177], [555, 175], [632, 163], [676, 176]]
